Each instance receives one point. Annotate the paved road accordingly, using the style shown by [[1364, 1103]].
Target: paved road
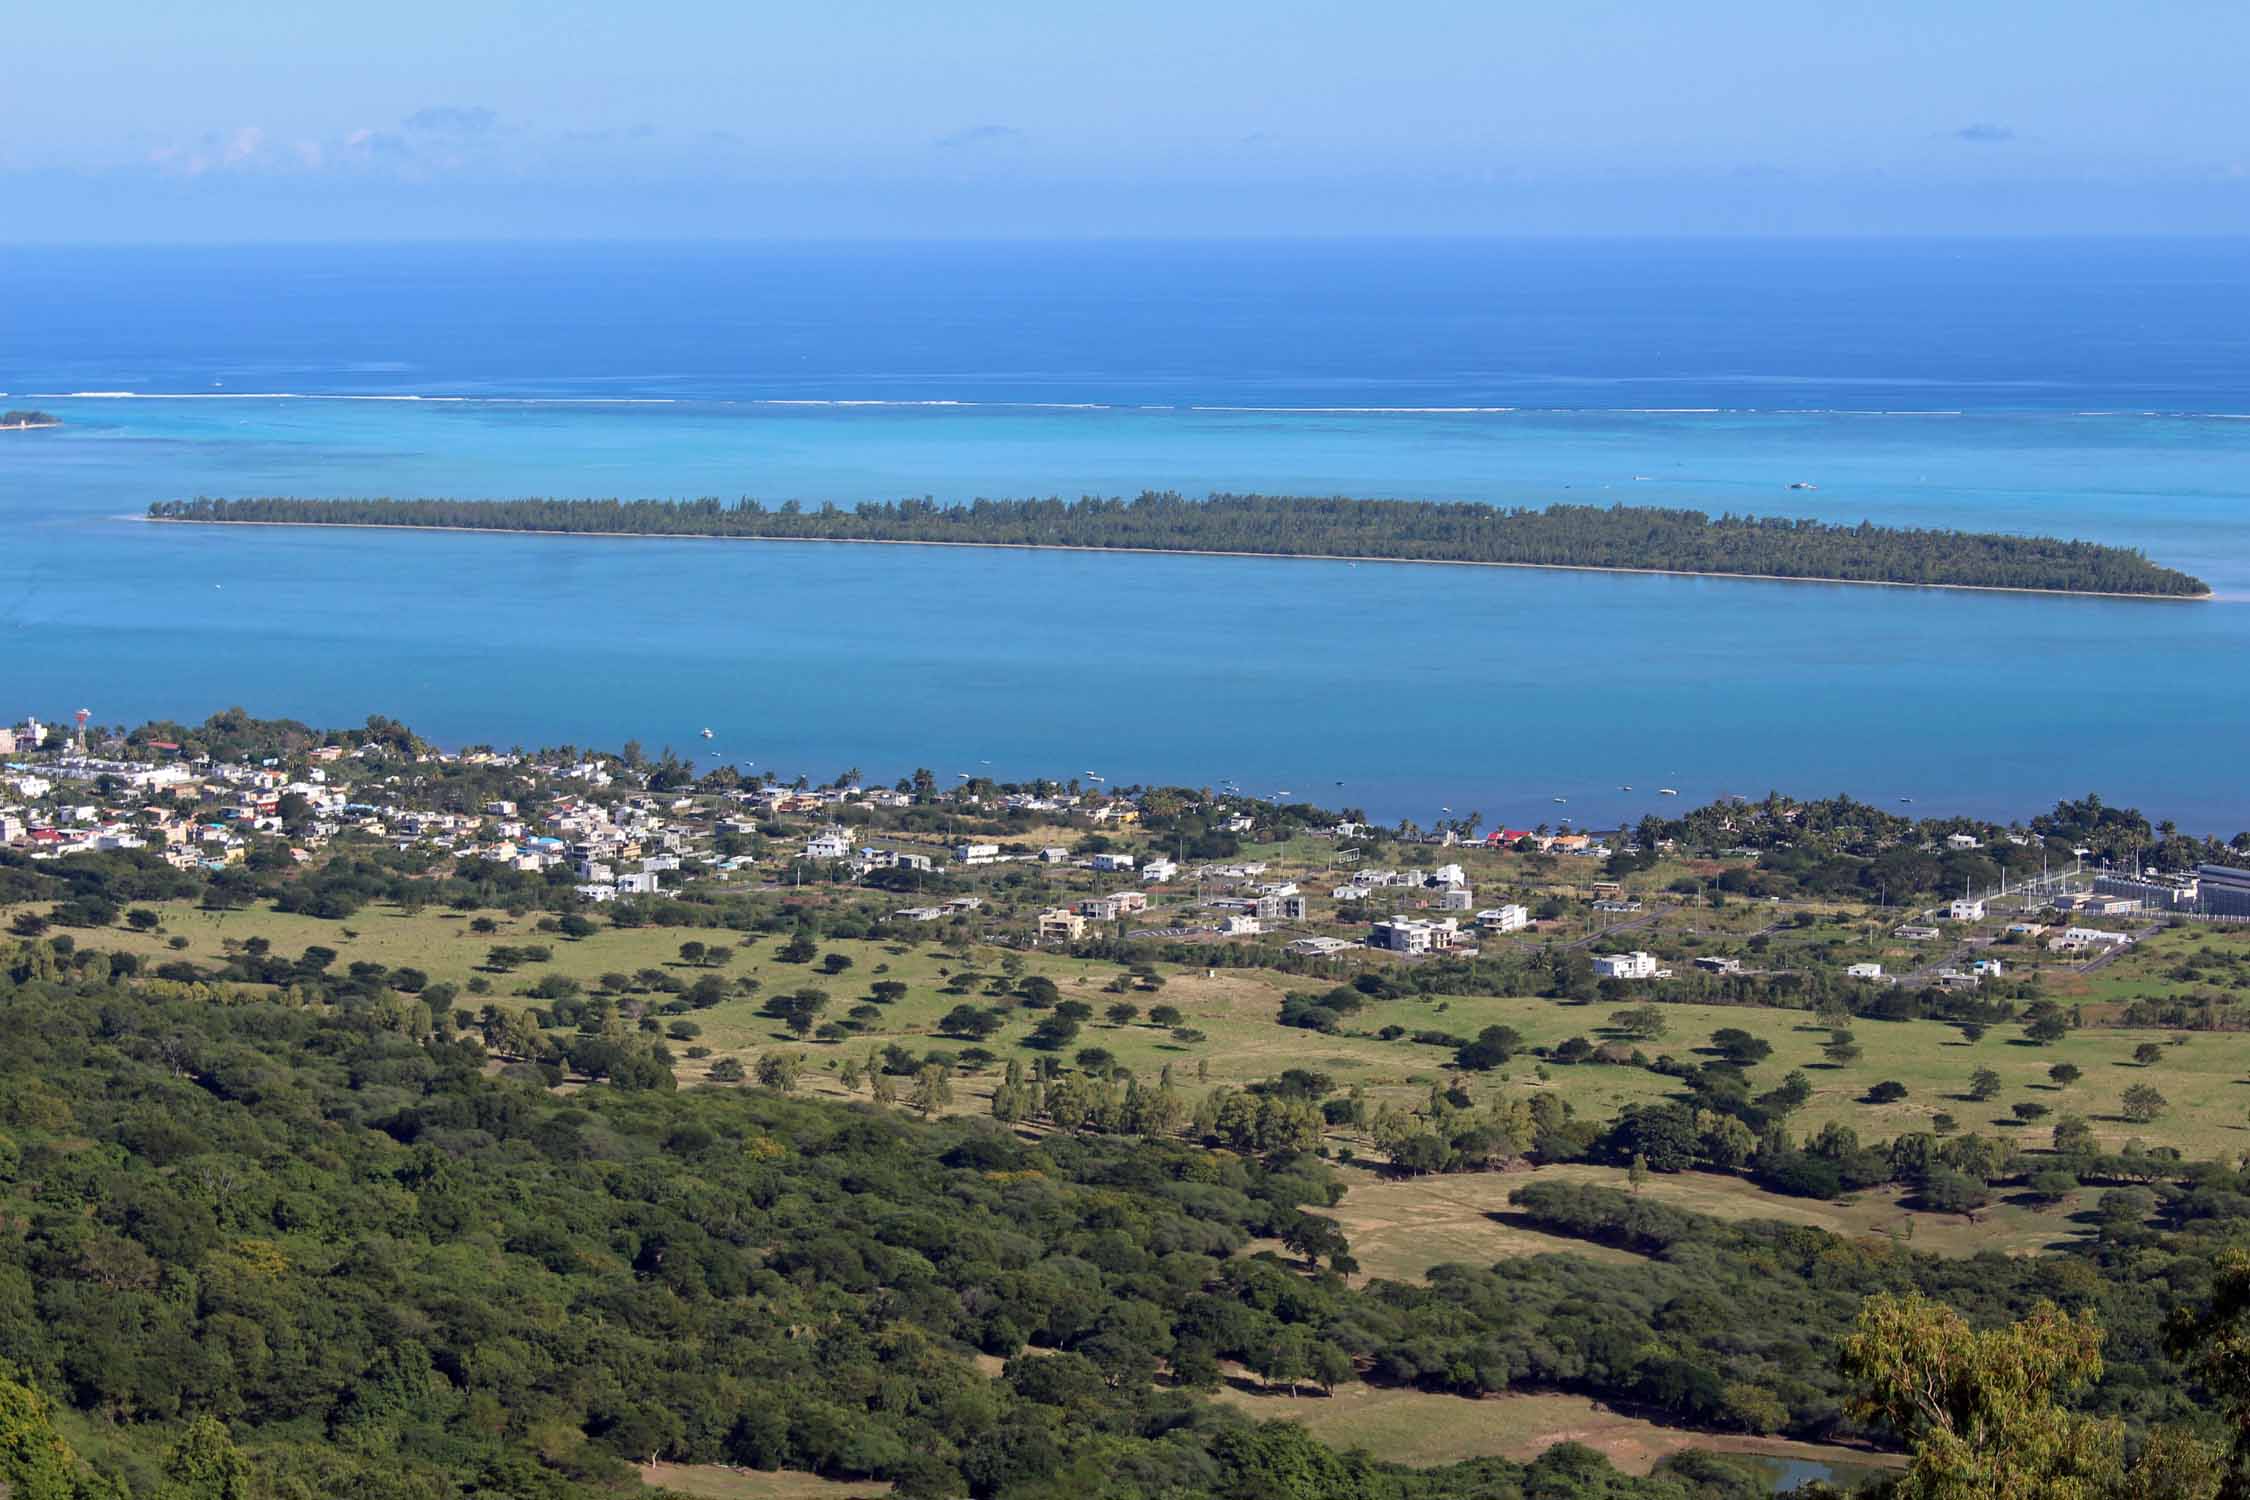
[[1962, 952], [2112, 954]]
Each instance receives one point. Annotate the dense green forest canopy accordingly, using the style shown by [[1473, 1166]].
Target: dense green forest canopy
[[334, 1235], [1583, 536], [17, 418], [389, 1273]]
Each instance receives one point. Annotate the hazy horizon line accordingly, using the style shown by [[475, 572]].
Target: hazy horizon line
[[1209, 236]]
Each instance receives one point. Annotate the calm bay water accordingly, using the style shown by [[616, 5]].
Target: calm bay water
[[2098, 390]]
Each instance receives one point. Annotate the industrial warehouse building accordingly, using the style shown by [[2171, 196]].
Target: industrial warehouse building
[[2224, 890]]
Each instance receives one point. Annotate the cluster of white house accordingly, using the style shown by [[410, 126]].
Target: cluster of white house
[[1974, 975], [190, 816], [196, 812], [2088, 940], [1278, 901], [1246, 906], [29, 735], [201, 812], [1405, 934], [620, 850], [956, 906], [1450, 881]]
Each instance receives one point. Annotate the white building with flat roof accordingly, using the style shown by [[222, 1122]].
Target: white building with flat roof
[[1634, 965], [1404, 934], [829, 843]]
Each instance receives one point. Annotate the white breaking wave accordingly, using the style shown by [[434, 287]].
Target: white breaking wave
[[872, 401], [315, 396], [1572, 411], [2181, 416], [555, 400], [1352, 411], [1749, 411]]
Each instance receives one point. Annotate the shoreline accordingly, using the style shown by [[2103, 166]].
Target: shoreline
[[27, 426], [1435, 562]]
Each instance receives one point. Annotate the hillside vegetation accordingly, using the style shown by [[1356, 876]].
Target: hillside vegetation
[[326, 1250], [333, 1245]]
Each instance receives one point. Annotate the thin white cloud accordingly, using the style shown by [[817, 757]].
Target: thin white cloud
[[237, 149]]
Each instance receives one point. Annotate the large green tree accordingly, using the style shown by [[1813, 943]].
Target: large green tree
[[1982, 1409]]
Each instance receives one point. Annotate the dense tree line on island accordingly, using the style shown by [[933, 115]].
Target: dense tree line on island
[[256, 1248], [1633, 537], [27, 419]]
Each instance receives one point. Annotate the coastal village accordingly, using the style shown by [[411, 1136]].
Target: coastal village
[[1059, 864]]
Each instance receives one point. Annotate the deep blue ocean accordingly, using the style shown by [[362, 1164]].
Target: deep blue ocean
[[2086, 388]]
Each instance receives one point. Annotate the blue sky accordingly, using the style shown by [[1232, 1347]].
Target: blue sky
[[153, 120]]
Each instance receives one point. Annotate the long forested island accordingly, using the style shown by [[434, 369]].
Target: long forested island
[[17, 420], [1631, 538]]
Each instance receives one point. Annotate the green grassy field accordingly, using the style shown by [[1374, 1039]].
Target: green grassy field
[[719, 1482], [1395, 1425], [2147, 971], [1399, 1229], [2207, 1080], [1422, 1428]]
